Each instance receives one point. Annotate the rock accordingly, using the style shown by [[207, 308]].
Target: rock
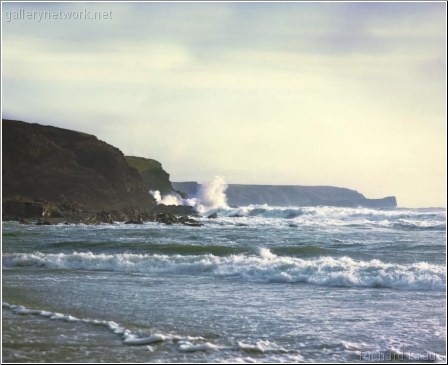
[[21, 208], [193, 224], [236, 216], [184, 219], [187, 221], [175, 209], [49, 171], [51, 211], [43, 223], [170, 218], [98, 218], [134, 221], [167, 218], [213, 216]]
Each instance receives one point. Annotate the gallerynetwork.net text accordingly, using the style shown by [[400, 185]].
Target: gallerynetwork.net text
[[39, 16]]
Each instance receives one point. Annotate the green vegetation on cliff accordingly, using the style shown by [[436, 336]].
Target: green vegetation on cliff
[[152, 173]]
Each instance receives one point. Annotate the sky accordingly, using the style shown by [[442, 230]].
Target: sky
[[342, 94]]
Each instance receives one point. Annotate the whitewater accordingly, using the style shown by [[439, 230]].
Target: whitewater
[[257, 284]]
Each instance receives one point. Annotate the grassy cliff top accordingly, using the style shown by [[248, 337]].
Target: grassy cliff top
[[152, 173]]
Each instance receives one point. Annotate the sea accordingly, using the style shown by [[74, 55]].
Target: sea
[[257, 284]]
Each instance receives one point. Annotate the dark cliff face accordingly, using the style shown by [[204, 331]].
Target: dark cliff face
[[152, 173], [65, 167]]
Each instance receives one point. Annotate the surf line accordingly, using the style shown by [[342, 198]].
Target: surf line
[[127, 337], [184, 343]]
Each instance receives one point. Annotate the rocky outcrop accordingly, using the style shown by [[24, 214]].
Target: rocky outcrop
[[170, 218], [292, 195], [152, 173], [175, 209], [50, 171]]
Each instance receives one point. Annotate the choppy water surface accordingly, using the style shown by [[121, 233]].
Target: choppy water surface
[[274, 285]]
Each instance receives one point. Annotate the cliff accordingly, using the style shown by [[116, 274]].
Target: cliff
[[67, 170], [292, 195], [152, 173]]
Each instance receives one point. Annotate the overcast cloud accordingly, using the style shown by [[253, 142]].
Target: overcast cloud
[[344, 94]]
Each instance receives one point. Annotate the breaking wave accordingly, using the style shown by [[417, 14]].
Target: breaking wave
[[264, 267], [404, 219], [211, 195]]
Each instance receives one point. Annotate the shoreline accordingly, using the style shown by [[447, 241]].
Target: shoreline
[[51, 213]]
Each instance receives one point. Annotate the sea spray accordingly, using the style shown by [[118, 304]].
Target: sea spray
[[210, 195], [169, 199]]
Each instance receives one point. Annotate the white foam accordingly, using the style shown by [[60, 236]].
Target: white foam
[[266, 254], [271, 358], [329, 271], [353, 346], [170, 199], [72, 319], [57, 316], [134, 340], [262, 346], [23, 310], [117, 329], [240, 360], [186, 346]]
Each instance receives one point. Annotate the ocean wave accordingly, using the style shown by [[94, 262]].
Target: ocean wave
[[419, 226], [416, 219], [265, 267]]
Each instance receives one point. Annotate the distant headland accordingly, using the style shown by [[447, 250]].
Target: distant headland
[[292, 195]]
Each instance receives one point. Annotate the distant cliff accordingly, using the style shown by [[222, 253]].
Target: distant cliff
[[152, 173], [71, 170], [295, 195]]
